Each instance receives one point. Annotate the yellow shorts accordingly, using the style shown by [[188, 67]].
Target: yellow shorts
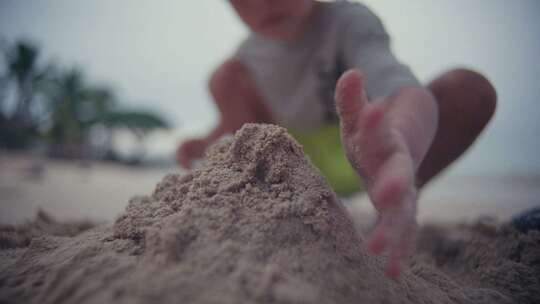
[[323, 146]]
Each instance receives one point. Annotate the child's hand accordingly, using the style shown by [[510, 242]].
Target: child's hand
[[378, 150], [190, 150]]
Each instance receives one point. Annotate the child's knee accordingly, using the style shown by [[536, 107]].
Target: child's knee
[[477, 85], [467, 92]]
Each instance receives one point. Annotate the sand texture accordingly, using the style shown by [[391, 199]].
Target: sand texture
[[256, 223], [486, 255]]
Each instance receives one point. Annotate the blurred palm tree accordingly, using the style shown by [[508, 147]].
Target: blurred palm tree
[[76, 108], [140, 123], [73, 108], [3, 93], [26, 76], [70, 110]]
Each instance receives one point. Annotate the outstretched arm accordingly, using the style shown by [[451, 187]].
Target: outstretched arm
[[238, 100], [386, 140], [388, 122]]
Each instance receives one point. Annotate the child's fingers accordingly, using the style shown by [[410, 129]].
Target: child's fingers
[[182, 158], [384, 233], [350, 99], [395, 233], [372, 117], [378, 239], [394, 263], [187, 152], [395, 236], [393, 182], [401, 249]]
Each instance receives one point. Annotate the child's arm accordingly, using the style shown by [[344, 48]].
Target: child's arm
[[385, 141], [238, 100], [388, 123]]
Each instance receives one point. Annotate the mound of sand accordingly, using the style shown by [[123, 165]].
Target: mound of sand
[[255, 224], [486, 254]]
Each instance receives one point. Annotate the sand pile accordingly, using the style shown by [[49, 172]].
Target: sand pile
[[255, 224], [486, 254]]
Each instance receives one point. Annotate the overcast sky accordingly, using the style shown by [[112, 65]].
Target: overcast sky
[[158, 54]]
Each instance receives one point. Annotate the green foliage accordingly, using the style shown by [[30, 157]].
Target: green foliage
[[26, 73], [74, 107], [70, 106], [139, 122], [21, 60], [77, 107], [15, 136], [26, 76]]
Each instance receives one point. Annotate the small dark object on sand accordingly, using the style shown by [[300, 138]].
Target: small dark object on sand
[[527, 221]]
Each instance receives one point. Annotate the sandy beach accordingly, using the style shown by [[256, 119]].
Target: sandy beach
[[96, 108], [255, 223], [70, 190], [101, 191]]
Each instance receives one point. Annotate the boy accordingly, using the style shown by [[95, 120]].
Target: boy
[[396, 134]]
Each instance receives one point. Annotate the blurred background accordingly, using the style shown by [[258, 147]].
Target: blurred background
[[96, 95]]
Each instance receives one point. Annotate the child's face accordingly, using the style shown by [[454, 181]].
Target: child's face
[[278, 19]]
